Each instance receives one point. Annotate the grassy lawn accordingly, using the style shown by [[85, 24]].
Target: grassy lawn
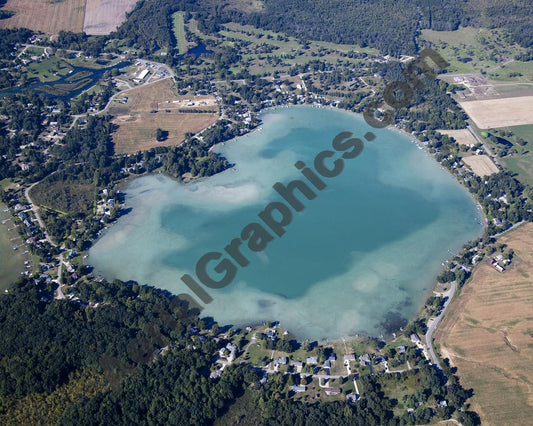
[[397, 389], [49, 69], [179, 31], [5, 183], [34, 51], [256, 354]]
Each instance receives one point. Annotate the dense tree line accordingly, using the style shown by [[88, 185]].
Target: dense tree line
[[392, 26], [10, 37], [149, 25], [115, 331], [90, 45], [43, 342]]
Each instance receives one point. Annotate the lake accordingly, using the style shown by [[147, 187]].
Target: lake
[[359, 258]]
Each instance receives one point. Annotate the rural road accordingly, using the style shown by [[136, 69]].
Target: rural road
[[36, 213], [433, 325], [59, 293], [489, 153]]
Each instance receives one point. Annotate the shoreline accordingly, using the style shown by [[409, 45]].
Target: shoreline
[[357, 336], [13, 260]]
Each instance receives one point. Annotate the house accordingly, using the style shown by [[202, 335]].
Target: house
[[364, 360], [327, 364], [415, 338], [494, 263], [332, 357], [401, 349], [312, 360], [215, 374], [231, 348], [271, 334], [348, 358], [298, 389], [352, 397], [297, 364], [281, 361], [332, 391]]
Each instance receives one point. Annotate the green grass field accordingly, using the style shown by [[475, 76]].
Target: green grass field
[[522, 161], [179, 32], [515, 69], [464, 35], [486, 48], [284, 51]]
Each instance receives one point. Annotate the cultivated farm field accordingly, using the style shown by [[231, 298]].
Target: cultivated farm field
[[488, 335], [492, 113], [104, 16], [462, 136], [46, 16], [156, 106], [481, 165]]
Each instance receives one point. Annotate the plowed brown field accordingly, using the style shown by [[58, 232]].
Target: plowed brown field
[[488, 335]]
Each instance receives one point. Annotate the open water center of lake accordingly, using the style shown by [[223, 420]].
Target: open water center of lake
[[361, 257]]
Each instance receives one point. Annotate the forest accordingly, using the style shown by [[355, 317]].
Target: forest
[[98, 359], [392, 26]]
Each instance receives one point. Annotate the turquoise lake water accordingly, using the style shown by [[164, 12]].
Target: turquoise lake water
[[361, 257]]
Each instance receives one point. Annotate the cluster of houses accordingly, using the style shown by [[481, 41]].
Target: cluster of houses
[[495, 263], [23, 215], [106, 205]]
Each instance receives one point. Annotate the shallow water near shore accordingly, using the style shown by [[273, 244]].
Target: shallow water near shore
[[360, 258], [11, 262]]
